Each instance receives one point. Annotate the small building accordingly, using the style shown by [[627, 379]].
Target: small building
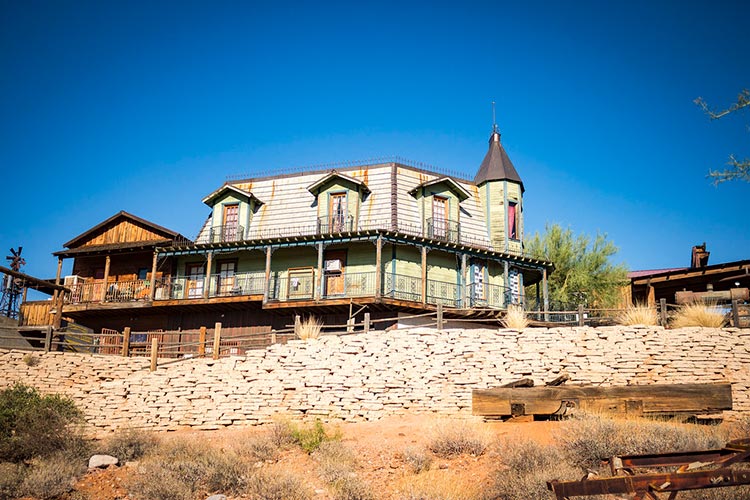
[[390, 238]]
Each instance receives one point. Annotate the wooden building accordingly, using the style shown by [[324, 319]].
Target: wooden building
[[392, 237]]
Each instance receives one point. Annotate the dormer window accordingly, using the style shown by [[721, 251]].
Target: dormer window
[[233, 210], [440, 199], [339, 197]]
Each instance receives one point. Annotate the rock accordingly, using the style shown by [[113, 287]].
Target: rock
[[102, 461], [217, 497]]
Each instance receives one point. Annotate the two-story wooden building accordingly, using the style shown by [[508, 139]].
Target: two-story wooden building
[[389, 236]]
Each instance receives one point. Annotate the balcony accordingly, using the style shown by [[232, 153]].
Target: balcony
[[335, 224], [443, 230], [193, 287], [113, 291], [225, 234]]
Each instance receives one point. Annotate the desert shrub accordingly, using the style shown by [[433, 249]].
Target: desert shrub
[[282, 433], [130, 444], [51, 476], [181, 470], [739, 428], [640, 314], [29, 359], [11, 478], [352, 487], [276, 485], [258, 448], [698, 314], [430, 486], [32, 425], [417, 460], [310, 328], [309, 438], [589, 438], [449, 439], [335, 461], [515, 318]]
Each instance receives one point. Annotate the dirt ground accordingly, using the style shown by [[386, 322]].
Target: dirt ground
[[378, 447]]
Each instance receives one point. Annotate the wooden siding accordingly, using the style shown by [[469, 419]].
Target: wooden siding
[[37, 313], [123, 267], [229, 198], [123, 231], [409, 261], [442, 266]]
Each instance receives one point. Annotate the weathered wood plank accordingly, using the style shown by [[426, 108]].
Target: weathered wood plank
[[635, 399]]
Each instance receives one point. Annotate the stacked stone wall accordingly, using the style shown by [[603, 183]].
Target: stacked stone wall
[[366, 377]]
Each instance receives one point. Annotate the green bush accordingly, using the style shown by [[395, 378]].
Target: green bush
[[310, 438], [32, 425]]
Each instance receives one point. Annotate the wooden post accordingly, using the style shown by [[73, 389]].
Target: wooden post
[[126, 342], [424, 275], [318, 293], [209, 264], [59, 303], [217, 340], [736, 313], [367, 322], [545, 294], [378, 267], [152, 289], [202, 342], [663, 311], [581, 322], [440, 317], [57, 279], [464, 291], [273, 336], [154, 352], [106, 279], [651, 300], [267, 286], [297, 325], [506, 284], [48, 339]]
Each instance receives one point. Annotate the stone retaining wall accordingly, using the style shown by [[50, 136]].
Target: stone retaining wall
[[356, 377]]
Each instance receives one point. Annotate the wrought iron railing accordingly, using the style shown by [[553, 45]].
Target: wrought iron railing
[[335, 224], [402, 287], [349, 285], [443, 229], [225, 234], [488, 295], [295, 287], [219, 285], [443, 292]]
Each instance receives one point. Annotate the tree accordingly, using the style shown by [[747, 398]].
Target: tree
[[738, 169], [584, 273]]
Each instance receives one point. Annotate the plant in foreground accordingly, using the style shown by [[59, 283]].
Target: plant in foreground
[[698, 314], [515, 318], [639, 314], [452, 438]]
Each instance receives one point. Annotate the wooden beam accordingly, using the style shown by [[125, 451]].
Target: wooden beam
[[34, 281], [424, 275], [318, 292], [266, 286], [464, 283], [209, 265], [545, 293], [103, 297], [152, 288]]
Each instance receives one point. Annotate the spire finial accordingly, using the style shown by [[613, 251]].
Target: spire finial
[[494, 122]]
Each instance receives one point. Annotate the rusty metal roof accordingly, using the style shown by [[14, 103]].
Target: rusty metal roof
[[496, 165]]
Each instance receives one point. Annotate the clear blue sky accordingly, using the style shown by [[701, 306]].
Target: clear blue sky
[[148, 106]]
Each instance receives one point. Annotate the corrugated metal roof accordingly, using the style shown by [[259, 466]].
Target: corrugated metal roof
[[496, 165]]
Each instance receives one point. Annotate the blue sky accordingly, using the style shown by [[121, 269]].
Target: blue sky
[[149, 106]]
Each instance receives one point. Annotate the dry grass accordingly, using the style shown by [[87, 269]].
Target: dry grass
[[436, 485], [50, 477], [130, 444], [698, 314], [417, 460], [310, 328], [640, 314], [458, 437], [260, 448], [515, 318], [277, 485]]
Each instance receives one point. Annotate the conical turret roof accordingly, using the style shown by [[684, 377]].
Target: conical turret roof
[[496, 165]]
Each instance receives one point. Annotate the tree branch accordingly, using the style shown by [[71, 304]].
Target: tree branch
[[743, 100]]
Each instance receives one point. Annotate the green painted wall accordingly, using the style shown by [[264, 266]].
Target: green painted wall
[[493, 197], [409, 261], [245, 214], [442, 266], [339, 186]]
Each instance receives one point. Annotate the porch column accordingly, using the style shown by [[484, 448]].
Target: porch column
[[464, 291], [319, 274], [266, 286], [506, 288], [209, 264], [106, 279], [378, 266], [545, 293], [57, 277], [651, 299], [152, 289], [424, 275]]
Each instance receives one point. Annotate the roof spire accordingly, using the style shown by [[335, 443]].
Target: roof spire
[[494, 122]]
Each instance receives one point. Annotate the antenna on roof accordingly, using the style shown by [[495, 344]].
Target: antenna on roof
[[494, 122]]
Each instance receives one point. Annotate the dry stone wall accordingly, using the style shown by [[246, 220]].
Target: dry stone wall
[[365, 377]]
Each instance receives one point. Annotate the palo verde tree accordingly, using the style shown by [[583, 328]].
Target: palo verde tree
[[584, 273], [736, 169]]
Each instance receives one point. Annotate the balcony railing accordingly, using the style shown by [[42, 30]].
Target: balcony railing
[[399, 286], [487, 295], [443, 292], [349, 285], [225, 234], [112, 291], [219, 285], [335, 224], [296, 287], [443, 229]]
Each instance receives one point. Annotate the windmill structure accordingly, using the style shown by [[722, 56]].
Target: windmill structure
[[12, 286]]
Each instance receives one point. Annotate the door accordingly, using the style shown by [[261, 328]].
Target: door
[[478, 294], [439, 217], [226, 278], [337, 212], [231, 223], [333, 272], [195, 276]]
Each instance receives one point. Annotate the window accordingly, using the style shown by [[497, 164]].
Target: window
[[226, 281], [196, 274], [142, 273], [439, 219], [337, 212], [513, 220], [231, 222]]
